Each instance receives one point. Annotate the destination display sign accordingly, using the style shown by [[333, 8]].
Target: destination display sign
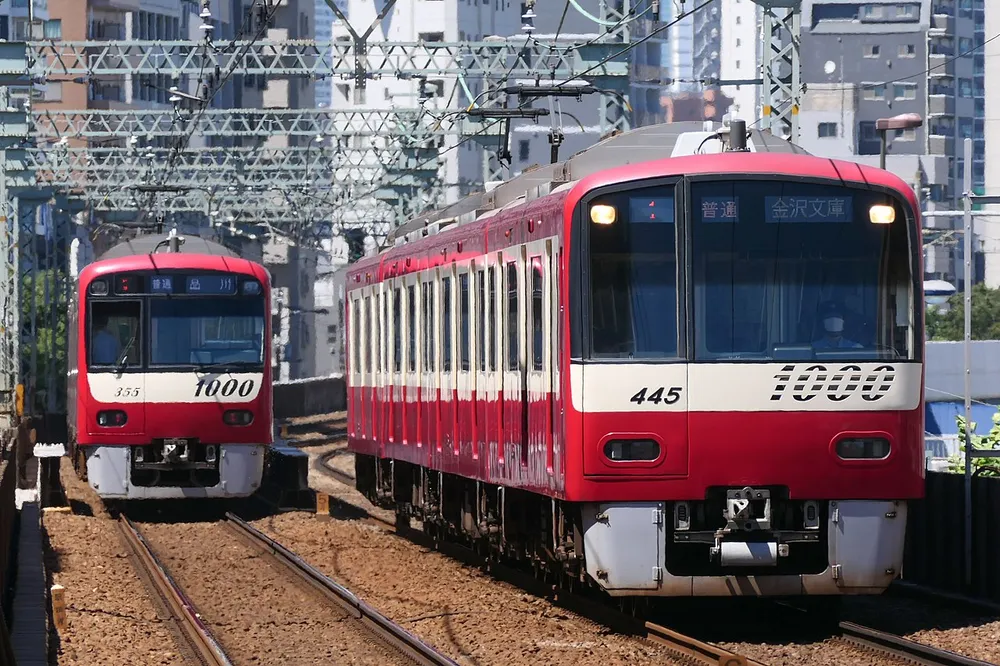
[[219, 284], [808, 210]]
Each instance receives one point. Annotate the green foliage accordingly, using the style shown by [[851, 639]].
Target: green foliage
[[49, 341], [987, 442], [950, 325]]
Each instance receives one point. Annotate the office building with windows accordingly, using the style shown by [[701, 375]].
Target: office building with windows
[[869, 60]]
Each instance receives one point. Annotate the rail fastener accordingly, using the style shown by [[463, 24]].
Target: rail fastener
[[400, 639], [189, 623], [903, 648]]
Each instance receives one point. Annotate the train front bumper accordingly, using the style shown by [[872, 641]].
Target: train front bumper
[[625, 547], [241, 467]]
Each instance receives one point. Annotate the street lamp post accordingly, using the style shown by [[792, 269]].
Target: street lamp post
[[900, 122]]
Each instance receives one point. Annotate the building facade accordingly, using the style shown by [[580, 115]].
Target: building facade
[[879, 59]]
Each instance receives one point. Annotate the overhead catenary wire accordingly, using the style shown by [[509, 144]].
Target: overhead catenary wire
[[597, 65]]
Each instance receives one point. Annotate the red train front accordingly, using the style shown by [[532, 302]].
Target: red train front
[[170, 381], [690, 376]]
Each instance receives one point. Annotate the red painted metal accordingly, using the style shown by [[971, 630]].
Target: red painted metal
[[483, 439]]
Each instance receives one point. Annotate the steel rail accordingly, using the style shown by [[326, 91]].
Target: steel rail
[[390, 632], [705, 653], [903, 648], [197, 635]]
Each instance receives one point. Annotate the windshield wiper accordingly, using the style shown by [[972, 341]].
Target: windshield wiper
[[226, 364], [123, 361]]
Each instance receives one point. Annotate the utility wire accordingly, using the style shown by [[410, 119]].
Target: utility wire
[[601, 63]]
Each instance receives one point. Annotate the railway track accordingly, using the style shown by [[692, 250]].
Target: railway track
[[912, 652], [867, 639], [185, 622], [688, 648], [402, 641]]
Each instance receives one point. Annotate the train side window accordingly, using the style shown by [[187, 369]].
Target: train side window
[[411, 331], [368, 334], [356, 336], [427, 326], [397, 330], [513, 339], [114, 333], [464, 338], [536, 313], [446, 324], [493, 318], [481, 317], [384, 355]]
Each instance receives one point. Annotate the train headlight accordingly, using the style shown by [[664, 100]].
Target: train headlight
[[98, 288], [603, 214], [631, 450], [112, 418], [882, 214], [237, 417], [863, 448]]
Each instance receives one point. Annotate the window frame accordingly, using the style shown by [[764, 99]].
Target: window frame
[[141, 343]]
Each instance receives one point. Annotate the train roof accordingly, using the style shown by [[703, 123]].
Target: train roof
[[156, 243], [643, 144], [151, 253]]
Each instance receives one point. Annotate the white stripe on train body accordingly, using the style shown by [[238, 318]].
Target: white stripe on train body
[[745, 387], [175, 387]]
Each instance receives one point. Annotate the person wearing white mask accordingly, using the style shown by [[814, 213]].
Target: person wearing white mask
[[833, 326]]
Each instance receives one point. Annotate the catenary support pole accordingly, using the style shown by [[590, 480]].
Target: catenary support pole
[[967, 206]]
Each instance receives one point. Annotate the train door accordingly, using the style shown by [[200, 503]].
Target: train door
[[494, 373], [515, 372], [396, 317], [428, 361], [480, 427], [446, 378], [371, 359], [411, 380], [385, 383], [464, 402], [539, 357]]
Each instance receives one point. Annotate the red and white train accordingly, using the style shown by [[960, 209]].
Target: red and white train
[[169, 371], [674, 365]]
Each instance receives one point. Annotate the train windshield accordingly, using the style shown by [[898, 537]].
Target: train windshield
[[207, 331], [799, 271], [774, 271]]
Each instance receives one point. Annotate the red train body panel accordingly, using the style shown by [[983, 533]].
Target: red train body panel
[[438, 399], [186, 410]]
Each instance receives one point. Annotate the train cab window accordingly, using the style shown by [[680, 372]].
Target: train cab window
[[536, 313], [493, 318], [464, 338], [115, 333], [446, 324], [397, 330], [207, 330], [633, 289], [513, 339], [411, 331]]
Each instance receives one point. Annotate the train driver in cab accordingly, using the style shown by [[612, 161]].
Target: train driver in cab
[[106, 345], [831, 314]]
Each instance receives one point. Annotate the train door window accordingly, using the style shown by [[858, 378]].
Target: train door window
[[493, 318], [368, 334], [536, 313], [397, 331], [513, 339], [481, 317], [464, 337], [446, 324], [384, 355], [411, 331], [428, 326], [115, 333], [356, 336]]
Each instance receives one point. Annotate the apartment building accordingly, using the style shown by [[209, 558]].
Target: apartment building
[[881, 58]]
